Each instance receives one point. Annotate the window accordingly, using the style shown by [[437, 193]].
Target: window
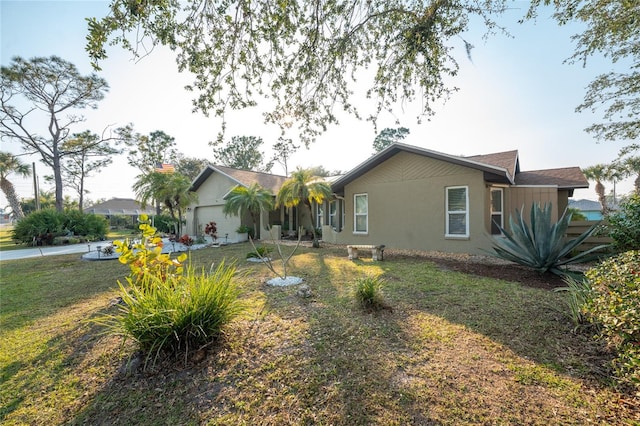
[[361, 213], [457, 211], [319, 215], [333, 217], [497, 220]]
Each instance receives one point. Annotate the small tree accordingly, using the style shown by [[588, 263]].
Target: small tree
[[303, 188], [252, 199]]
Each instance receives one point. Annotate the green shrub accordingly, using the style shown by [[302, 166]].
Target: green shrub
[[90, 225], [43, 226], [541, 244], [616, 309], [368, 293], [178, 315], [259, 252], [164, 223], [624, 225]]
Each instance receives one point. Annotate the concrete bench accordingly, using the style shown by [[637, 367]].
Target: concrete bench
[[377, 252]]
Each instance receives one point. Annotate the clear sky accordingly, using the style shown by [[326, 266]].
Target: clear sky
[[516, 93]]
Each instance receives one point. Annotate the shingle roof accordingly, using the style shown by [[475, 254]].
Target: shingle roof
[[268, 181], [492, 172], [564, 178], [120, 206], [507, 160]]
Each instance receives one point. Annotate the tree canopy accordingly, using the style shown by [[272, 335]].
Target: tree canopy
[[612, 30], [389, 136], [242, 152], [54, 89], [304, 55]]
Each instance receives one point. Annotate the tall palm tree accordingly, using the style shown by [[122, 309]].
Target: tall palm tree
[[253, 199], [598, 173], [632, 167], [170, 189], [9, 163], [304, 188]]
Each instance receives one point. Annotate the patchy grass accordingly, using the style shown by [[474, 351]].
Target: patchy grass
[[456, 349]]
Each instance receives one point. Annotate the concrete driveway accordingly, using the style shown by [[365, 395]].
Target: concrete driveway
[[51, 250]]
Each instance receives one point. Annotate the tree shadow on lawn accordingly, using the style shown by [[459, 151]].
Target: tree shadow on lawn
[[38, 287], [532, 322], [451, 352]]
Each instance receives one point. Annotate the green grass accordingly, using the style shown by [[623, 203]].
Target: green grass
[[455, 349]]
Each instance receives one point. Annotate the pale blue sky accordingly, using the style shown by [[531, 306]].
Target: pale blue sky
[[515, 94]]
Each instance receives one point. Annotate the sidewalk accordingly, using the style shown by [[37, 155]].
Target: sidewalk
[[51, 250]]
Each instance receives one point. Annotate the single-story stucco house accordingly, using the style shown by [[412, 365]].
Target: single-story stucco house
[[212, 185], [408, 197], [414, 198]]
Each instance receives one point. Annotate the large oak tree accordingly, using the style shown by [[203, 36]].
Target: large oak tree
[[303, 55]]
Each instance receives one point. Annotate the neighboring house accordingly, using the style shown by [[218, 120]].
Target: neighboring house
[[591, 209], [212, 186], [121, 207], [413, 198]]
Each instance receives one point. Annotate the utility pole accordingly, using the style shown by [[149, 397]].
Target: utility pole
[[35, 187]]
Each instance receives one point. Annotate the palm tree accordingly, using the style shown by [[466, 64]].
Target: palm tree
[[632, 167], [169, 189], [9, 163], [303, 187], [253, 199], [598, 173]]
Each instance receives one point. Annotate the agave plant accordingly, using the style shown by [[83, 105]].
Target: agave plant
[[541, 244]]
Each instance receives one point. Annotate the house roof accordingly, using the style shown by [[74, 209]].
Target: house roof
[[245, 178], [507, 160], [493, 172], [120, 206], [499, 167], [585, 205], [564, 178]]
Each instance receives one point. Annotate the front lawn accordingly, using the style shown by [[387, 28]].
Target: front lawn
[[454, 349]]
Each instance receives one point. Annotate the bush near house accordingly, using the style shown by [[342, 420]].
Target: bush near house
[[615, 308]]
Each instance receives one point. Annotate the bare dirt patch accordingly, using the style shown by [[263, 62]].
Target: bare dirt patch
[[484, 266]]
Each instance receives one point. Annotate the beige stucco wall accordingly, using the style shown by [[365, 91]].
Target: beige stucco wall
[[406, 196], [209, 207]]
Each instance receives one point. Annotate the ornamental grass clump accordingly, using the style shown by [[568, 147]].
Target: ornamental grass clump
[[180, 314], [541, 244], [368, 293], [167, 308]]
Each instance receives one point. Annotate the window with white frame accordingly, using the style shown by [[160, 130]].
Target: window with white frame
[[319, 215], [497, 207], [333, 214], [361, 213], [457, 211]]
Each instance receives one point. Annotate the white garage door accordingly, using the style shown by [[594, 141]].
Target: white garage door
[[226, 225]]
